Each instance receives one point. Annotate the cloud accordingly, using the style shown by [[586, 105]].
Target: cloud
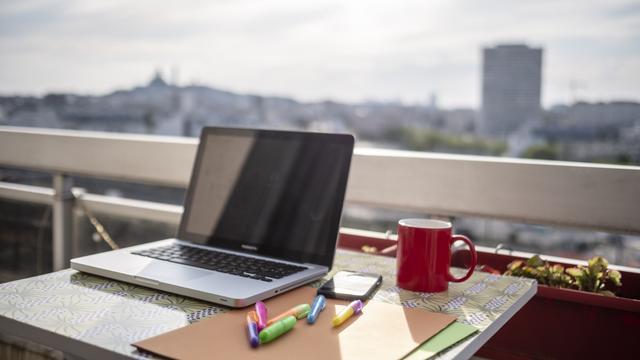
[[315, 49]]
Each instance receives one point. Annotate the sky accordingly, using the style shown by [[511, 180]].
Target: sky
[[355, 50]]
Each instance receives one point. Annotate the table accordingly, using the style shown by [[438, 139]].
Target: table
[[93, 317]]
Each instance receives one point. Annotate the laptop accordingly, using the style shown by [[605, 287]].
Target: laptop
[[261, 216]]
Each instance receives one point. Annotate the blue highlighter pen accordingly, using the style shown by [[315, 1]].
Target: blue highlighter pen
[[318, 305]]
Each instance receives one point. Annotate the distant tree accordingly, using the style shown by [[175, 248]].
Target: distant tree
[[542, 151], [149, 122], [624, 159], [429, 140], [619, 159]]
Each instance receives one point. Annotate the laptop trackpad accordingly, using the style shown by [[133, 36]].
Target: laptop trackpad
[[166, 272]]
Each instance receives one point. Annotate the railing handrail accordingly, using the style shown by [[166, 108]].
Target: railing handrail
[[603, 197], [153, 211]]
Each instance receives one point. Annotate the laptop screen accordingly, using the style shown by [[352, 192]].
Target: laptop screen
[[274, 193]]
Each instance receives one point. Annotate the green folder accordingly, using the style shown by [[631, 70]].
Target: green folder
[[443, 340]]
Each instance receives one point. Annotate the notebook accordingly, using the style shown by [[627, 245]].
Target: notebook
[[382, 331], [445, 339]]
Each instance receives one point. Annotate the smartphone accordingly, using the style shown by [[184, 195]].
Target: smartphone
[[351, 285]]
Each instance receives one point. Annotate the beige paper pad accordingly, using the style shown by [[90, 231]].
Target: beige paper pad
[[382, 331]]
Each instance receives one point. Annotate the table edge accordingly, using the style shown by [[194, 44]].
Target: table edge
[[66, 344], [469, 347]]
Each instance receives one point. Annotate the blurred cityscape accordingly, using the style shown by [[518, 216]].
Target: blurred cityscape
[[510, 122]]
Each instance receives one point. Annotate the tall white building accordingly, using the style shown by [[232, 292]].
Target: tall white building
[[511, 87]]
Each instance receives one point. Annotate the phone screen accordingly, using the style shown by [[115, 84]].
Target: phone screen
[[351, 285]]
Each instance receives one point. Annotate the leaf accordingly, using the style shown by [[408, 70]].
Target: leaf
[[599, 275], [598, 264], [615, 277], [530, 271], [515, 264], [598, 286], [535, 261], [575, 272]]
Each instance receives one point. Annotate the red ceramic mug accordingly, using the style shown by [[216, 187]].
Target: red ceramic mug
[[424, 255]]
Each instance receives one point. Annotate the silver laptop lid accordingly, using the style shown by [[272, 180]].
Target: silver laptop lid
[[273, 193]]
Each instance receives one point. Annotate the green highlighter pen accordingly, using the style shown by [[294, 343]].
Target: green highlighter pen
[[275, 330], [299, 311]]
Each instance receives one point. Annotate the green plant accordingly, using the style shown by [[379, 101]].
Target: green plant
[[593, 278], [542, 271]]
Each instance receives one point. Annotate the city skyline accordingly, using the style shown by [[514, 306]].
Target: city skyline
[[325, 50]]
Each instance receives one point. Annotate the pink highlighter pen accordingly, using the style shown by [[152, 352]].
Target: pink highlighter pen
[[261, 312], [252, 329]]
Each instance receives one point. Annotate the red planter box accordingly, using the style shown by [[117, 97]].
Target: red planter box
[[556, 323]]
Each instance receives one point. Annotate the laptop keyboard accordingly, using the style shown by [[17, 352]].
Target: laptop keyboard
[[258, 269]]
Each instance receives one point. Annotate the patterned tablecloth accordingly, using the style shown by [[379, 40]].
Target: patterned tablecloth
[[113, 314]]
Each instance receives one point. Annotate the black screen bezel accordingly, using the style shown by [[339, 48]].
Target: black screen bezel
[[345, 140], [328, 289]]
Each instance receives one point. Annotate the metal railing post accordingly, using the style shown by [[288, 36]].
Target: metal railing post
[[62, 221]]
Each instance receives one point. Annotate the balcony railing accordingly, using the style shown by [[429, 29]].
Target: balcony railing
[[593, 196]]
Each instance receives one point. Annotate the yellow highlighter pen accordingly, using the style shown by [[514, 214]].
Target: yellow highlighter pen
[[354, 308]]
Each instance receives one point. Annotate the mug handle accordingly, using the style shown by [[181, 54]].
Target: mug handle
[[474, 258]]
